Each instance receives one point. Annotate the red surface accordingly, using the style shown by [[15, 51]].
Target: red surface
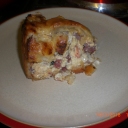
[[109, 123], [107, 1]]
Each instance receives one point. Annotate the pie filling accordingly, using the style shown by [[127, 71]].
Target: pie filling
[[74, 53]]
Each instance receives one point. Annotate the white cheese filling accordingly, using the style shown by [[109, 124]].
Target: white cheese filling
[[77, 55]]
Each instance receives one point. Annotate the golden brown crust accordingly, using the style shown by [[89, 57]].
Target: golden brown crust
[[33, 26], [26, 65], [89, 70], [78, 70]]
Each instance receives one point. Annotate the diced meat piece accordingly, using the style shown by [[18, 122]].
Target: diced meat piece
[[64, 69], [77, 52], [78, 36], [61, 44], [68, 58], [88, 48], [57, 63]]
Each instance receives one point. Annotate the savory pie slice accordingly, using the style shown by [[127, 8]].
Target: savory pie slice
[[57, 48]]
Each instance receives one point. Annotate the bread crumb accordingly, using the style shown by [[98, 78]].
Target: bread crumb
[[89, 70]]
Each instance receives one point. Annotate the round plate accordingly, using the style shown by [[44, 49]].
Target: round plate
[[89, 100]]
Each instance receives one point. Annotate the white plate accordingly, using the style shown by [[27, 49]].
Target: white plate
[[52, 103]]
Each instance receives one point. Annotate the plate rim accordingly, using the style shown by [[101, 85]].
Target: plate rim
[[108, 122]]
